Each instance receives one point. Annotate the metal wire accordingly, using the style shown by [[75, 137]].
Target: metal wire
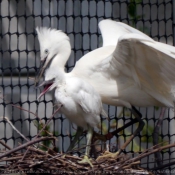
[[19, 59]]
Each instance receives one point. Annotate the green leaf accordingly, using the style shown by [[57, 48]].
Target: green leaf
[[55, 133], [156, 108], [132, 9], [147, 133], [138, 1], [36, 123], [104, 128], [39, 126]]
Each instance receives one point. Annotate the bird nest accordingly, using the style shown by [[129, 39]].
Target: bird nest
[[29, 158], [34, 160]]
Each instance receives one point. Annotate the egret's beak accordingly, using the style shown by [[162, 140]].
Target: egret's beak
[[47, 86], [43, 64], [40, 72], [44, 83]]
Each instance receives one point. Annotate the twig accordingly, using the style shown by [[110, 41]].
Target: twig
[[152, 152], [131, 164], [47, 122], [117, 163], [42, 130], [26, 145], [10, 158], [163, 166], [37, 150], [19, 107], [37, 163], [72, 157], [10, 123], [2, 143], [132, 160]]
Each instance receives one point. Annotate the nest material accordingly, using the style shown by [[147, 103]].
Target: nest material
[[36, 161]]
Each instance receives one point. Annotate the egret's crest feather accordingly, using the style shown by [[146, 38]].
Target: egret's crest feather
[[48, 34]]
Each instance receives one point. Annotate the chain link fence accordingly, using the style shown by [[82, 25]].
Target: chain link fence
[[19, 61]]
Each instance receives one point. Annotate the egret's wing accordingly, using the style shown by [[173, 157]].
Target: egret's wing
[[112, 30], [149, 63], [89, 101], [84, 94]]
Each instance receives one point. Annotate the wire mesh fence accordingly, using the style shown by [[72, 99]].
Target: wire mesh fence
[[19, 61]]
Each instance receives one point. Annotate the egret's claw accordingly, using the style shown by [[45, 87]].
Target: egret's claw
[[107, 155], [63, 156], [86, 160]]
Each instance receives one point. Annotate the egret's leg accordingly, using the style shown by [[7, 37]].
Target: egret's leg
[[158, 158], [76, 137], [109, 135], [88, 147], [138, 115]]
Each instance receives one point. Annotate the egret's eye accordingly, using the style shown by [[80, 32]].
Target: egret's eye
[[46, 51]]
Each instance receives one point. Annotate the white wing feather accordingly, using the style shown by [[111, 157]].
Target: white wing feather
[[151, 64], [89, 102], [112, 30], [135, 57]]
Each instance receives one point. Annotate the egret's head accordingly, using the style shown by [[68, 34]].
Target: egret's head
[[51, 79], [52, 42]]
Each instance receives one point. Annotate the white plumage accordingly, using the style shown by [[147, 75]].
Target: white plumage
[[80, 103], [130, 68]]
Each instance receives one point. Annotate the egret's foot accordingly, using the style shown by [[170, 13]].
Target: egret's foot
[[63, 156], [86, 160], [107, 155]]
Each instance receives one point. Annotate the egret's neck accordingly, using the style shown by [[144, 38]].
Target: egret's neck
[[62, 56], [60, 76], [55, 73]]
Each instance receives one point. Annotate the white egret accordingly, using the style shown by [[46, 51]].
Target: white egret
[[79, 102], [130, 69]]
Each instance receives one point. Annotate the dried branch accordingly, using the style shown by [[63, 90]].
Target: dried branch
[[26, 145], [19, 107], [42, 129], [5, 145], [10, 123]]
